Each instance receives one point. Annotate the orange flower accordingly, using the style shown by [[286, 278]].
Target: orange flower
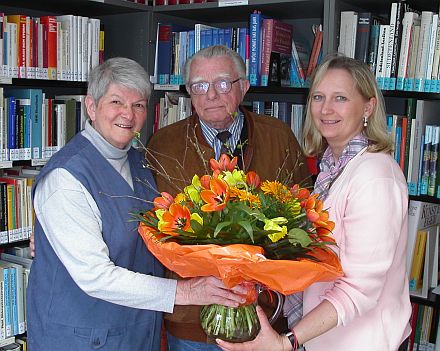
[[177, 217], [223, 164], [253, 179], [163, 201], [204, 181], [217, 197], [300, 193]]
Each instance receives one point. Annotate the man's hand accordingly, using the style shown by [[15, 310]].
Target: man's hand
[[266, 340], [207, 291]]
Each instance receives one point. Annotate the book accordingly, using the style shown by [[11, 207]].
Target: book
[[256, 39], [418, 257], [421, 215], [4, 219], [164, 47], [316, 50], [397, 13], [69, 26], [18, 292], [347, 33], [277, 49], [50, 45], [433, 160], [198, 27], [426, 113], [36, 98], [405, 48], [423, 50], [20, 21], [363, 36]]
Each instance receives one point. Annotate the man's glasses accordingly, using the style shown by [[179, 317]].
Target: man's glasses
[[221, 86]]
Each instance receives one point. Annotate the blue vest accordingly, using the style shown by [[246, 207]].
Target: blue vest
[[60, 315]]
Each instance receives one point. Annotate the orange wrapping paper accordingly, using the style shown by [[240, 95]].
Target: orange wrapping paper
[[237, 263]]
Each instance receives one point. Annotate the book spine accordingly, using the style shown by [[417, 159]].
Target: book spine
[[52, 47], [14, 311], [397, 38], [255, 48], [266, 50], [4, 206], [433, 160], [7, 301], [362, 36]]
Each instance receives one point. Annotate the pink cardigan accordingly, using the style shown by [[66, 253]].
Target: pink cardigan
[[369, 203]]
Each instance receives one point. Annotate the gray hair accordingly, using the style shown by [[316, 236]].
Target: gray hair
[[216, 51], [118, 70]]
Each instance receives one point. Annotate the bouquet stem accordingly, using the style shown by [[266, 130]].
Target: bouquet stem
[[235, 324]]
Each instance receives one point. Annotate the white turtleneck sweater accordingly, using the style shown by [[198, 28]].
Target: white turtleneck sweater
[[71, 221]]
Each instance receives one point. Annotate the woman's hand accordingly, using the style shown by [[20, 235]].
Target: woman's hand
[[207, 291], [266, 340]]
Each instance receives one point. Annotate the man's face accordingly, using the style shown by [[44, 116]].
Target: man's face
[[119, 114], [214, 108]]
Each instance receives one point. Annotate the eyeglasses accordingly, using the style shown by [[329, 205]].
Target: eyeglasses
[[221, 86]]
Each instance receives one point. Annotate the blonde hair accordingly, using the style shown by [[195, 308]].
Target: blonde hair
[[365, 83]]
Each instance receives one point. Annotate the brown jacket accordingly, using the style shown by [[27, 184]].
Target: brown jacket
[[179, 151]]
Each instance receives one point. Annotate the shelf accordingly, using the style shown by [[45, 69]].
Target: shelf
[[411, 95], [431, 300], [46, 83], [209, 12], [88, 8], [425, 198], [380, 6]]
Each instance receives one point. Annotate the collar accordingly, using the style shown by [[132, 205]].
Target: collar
[[235, 129]]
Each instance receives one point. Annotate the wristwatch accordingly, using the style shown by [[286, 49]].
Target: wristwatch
[[292, 340]]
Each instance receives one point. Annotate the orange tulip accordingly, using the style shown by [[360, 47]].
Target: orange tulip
[[204, 181], [223, 164], [217, 197], [163, 201], [253, 179], [300, 193], [177, 217]]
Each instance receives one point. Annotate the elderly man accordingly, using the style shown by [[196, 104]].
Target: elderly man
[[216, 80]]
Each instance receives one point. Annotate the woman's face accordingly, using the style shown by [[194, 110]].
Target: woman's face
[[119, 114], [338, 108]]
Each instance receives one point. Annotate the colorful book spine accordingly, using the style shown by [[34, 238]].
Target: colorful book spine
[[256, 38], [50, 46]]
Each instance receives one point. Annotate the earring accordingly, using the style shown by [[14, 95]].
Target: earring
[[365, 121]]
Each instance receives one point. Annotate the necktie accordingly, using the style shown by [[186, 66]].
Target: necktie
[[224, 137]]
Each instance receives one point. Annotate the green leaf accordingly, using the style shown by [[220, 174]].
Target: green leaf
[[196, 226], [220, 226], [299, 236], [247, 226]]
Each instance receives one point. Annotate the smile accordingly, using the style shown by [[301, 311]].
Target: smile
[[324, 121], [124, 126]]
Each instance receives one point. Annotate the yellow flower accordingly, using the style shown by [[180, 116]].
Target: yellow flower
[[193, 190], [196, 217], [274, 224], [278, 190], [159, 213], [180, 197], [235, 178], [244, 195]]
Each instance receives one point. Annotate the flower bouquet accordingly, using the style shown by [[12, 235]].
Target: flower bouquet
[[233, 226]]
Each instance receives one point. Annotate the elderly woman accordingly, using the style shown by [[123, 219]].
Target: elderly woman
[[93, 284]]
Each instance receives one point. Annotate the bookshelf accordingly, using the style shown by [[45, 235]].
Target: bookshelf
[[113, 14], [130, 30]]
